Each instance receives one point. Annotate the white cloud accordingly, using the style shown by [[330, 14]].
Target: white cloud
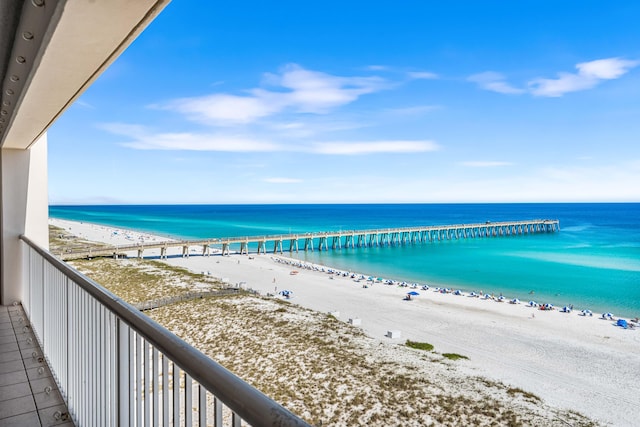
[[294, 89], [485, 164], [125, 129], [311, 126], [589, 75], [494, 82], [371, 147], [606, 69], [377, 67], [223, 109], [143, 139], [413, 111], [281, 180], [81, 103], [201, 142], [422, 75]]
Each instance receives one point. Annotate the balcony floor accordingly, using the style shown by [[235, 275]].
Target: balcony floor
[[28, 393]]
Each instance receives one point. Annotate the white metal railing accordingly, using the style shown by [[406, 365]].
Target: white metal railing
[[115, 366]]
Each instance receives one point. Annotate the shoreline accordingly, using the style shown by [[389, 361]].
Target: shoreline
[[116, 236], [570, 361]]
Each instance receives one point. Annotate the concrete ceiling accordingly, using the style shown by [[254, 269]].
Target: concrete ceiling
[[9, 17], [52, 50]]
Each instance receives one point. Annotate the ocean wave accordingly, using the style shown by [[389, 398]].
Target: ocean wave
[[591, 261], [578, 228], [578, 246]]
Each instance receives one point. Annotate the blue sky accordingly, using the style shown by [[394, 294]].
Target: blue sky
[[339, 102]]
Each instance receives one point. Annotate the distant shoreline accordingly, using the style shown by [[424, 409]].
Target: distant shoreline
[[143, 236]]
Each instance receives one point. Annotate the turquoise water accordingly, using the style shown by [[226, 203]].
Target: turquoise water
[[593, 262]]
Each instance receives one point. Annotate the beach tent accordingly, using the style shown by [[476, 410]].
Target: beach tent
[[623, 323]]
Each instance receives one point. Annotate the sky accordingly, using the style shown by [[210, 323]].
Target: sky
[[362, 102]]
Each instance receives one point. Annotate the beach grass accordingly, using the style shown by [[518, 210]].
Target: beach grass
[[454, 356], [60, 240], [419, 345], [139, 280], [518, 391]]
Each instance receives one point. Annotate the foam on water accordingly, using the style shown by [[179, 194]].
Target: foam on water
[[592, 261]]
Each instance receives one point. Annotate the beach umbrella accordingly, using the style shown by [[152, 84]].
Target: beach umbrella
[[533, 304], [413, 293], [515, 301], [605, 315], [458, 292]]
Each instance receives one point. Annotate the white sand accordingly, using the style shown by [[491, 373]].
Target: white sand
[[105, 234], [581, 363]]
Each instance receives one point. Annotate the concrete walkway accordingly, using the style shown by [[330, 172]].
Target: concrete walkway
[[28, 393]]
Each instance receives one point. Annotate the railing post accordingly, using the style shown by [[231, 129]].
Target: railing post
[[123, 355]]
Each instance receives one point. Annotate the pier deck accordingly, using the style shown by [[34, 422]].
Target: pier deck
[[330, 239]]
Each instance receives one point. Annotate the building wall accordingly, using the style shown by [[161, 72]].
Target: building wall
[[24, 211]]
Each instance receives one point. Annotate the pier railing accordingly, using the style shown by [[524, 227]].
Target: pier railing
[[116, 366], [333, 239]]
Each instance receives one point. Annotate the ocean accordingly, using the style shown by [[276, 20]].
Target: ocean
[[593, 262]]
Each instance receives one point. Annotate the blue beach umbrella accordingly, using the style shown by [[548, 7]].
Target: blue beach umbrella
[[623, 323], [413, 293]]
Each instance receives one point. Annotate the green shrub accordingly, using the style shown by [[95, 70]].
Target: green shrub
[[419, 345], [454, 356]]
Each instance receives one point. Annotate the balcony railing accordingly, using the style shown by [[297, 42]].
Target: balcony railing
[[116, 366]]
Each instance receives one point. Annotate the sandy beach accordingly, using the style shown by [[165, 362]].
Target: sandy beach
[[582, 363]]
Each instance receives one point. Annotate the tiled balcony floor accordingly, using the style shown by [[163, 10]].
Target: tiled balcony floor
[[28, 394]]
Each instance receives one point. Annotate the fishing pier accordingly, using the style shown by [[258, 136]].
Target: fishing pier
[[294, 242]]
